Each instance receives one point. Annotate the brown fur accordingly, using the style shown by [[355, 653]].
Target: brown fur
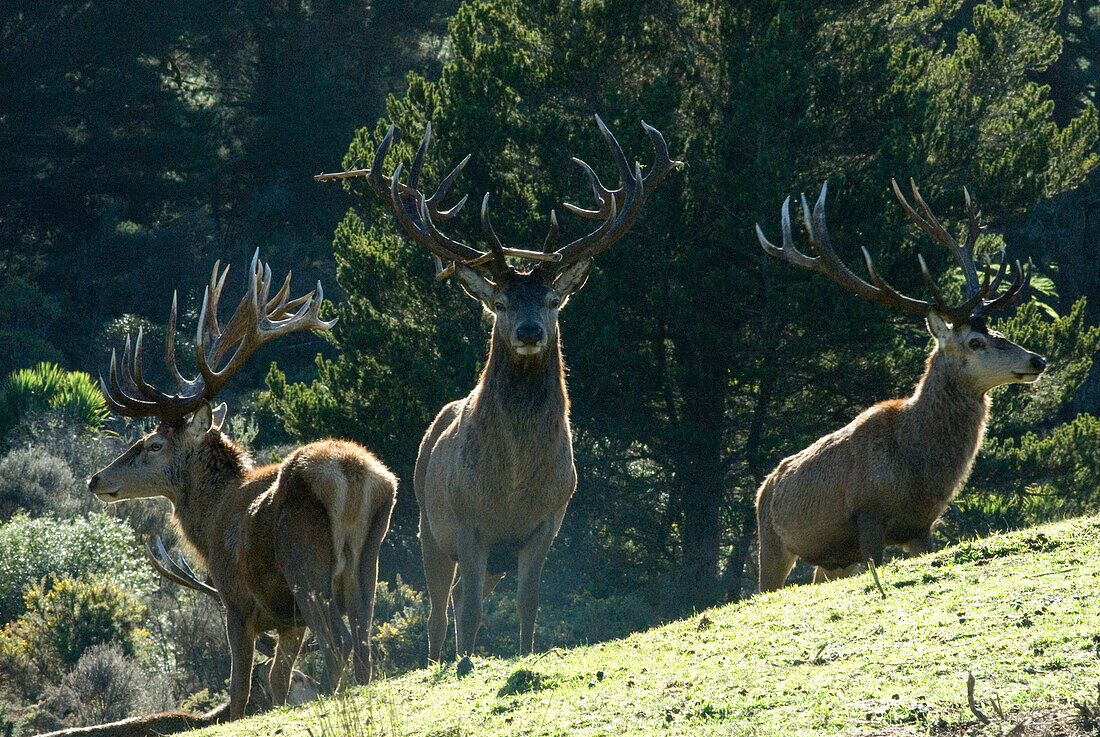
[[285, 545], [495, 470], [887, 476]]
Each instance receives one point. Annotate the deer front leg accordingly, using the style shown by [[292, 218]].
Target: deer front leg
[[472, 560], [532, 557], [871, 544], [241, 643]]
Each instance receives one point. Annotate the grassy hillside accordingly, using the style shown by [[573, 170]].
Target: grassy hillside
[[1020, 611]]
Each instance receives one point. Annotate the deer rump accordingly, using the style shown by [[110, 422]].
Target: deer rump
[[327, 490]]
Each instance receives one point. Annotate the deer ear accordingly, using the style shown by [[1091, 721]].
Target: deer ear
[[572, 278], [475, 285], [201, 421], [218, 416], [937, 326]]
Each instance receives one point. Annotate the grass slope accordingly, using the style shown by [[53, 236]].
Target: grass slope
[[1021, 611]]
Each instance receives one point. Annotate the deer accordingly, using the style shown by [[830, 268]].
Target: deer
[[495, 472], [286, 545], [886, 477]]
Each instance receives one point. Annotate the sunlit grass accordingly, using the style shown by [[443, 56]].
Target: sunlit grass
[[1019, 611]]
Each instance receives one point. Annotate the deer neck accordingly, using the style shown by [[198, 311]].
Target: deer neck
[[526, 391], [208, 475], [945, 411]]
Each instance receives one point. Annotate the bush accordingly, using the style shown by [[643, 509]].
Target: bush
[[49, 387], [401, 628], [64, 619], [106, 685], [34, 481], [36, 550]]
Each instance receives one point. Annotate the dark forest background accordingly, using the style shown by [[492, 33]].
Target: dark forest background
[[140, 142]]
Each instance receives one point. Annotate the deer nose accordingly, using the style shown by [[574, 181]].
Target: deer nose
[[93, 482], [1038, 363], [529, 333]]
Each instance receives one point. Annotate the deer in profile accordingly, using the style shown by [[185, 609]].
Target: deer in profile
[[888, 475], [495, 469], [285, 545]]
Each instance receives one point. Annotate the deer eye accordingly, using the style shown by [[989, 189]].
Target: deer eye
[[154, 447], [555, 302], [498, 305], [976, 343]]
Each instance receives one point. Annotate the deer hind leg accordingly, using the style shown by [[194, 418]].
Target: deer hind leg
[[775, 561], [282, 664], [439, 575], [303, 546], [361, 610]]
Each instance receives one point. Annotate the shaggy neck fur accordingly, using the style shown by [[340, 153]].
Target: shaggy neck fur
[[206, 474], [948, 418], [525, 392]]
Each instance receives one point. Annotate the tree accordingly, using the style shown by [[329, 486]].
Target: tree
[[696, 363]]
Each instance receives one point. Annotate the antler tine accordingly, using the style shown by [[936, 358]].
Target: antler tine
[[618, 208], [934, 229], [552, 236], [494, 243], [788, 252], [180, 572], [1012, 296]]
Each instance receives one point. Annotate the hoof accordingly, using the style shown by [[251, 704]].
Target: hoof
[[465, 666]]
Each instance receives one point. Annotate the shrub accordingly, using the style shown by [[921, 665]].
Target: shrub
[[64, 619], [36, 550], [49, 387], [104, 686], [34, 481]]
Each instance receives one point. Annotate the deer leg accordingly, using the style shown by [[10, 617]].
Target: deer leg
[[282, 663], [439, 575], [871, 544], [303, 548], [241, 644], [472, 560], [774, 561], [920, 545], [361, 611], [531, 559]]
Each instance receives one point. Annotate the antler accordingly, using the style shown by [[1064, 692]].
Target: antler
[[828, 263], [177, 571], [259, 318], [417, 213], [617, 208]]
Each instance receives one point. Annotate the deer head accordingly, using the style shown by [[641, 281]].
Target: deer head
[[525, 303], [981, 357], [151, 467]]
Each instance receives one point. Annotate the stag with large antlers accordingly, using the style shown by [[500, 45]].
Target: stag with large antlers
[[286, 545], [887, 476], [495, 470]]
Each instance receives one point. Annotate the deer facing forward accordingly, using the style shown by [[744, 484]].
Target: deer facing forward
[[887, 476], [286, 545], [495, 470]]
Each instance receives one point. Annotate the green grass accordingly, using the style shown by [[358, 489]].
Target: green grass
[[1021, 611]]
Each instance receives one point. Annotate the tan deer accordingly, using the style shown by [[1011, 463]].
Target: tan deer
[[887, 476], [495, 470], [286, 545]]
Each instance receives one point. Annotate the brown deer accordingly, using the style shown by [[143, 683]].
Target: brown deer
[[286, 545], [887, 476], [495, 470]]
